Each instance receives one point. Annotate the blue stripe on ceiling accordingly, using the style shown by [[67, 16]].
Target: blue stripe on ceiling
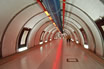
[[53, 7]]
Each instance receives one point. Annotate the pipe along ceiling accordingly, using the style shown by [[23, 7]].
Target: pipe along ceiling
[[53, 8]]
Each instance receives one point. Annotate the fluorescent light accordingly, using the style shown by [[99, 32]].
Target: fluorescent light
[[54, 24], [47, 13], [77, 42], [72, 39], [86, 46], [102, 27], [46, 41], [22, 49], [41, 43], [100, 17], [50, 39], [50, 18]]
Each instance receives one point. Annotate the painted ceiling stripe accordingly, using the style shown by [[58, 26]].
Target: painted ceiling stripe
[[53, 8], [63, 11]]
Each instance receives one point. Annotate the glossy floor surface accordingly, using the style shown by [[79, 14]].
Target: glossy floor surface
[[57, 54]]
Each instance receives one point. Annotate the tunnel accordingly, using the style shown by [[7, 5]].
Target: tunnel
[[31, 37]]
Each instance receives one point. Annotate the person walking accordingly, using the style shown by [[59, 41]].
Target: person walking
[[68, 38]]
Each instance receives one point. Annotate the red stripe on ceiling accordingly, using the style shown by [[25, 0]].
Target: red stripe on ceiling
[[41, 5], [63, 11], [39, 2]]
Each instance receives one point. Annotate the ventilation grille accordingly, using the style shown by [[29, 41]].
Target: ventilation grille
[[72, 60]]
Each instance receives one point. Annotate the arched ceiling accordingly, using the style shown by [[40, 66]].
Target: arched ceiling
[[94, 8], [15, 15]]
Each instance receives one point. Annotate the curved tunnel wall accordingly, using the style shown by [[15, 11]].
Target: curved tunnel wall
[[14, 27], [95, 32], [85, 27], [72, 33], [79, 35], [27, 9]]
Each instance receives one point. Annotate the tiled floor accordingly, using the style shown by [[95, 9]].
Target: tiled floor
[[71, 50], [54, 56]]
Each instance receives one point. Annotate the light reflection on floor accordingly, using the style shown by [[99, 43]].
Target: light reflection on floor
[[53, 56]]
